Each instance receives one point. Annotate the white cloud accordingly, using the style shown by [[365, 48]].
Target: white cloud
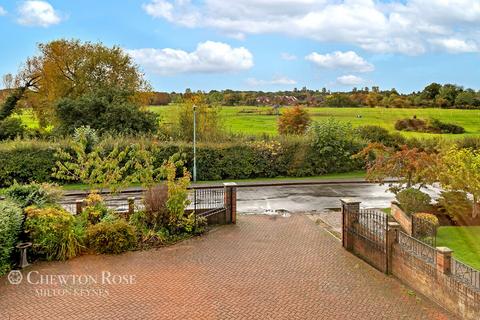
[[209, 57], [349, 80], [2, 11], [404, 26], [288, 56], [348, 60], [453, 45], [277, 81], [37, 13]]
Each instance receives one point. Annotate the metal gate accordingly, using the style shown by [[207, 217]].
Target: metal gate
[[365, 234]]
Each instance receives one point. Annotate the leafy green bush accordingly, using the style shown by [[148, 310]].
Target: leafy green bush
[[431, 126], [105, 111], [95, 209], [33, 194], [54, 233], [26, 161], [412, 200], [115, 236], [437, 126], [372, 133], [11, 217], [456, 204], [11, 128], [332, 145], [425, 223]]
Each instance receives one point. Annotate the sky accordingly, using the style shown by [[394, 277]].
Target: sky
[[267, 45]]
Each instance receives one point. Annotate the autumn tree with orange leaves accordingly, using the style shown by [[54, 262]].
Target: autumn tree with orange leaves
[[408, 167], [294, 121]]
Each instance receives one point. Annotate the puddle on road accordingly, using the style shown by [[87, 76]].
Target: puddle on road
[[272, 212]]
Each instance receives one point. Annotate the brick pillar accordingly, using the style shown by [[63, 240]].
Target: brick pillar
[[230, 202], [350, 210], [444, 260], [392, 238], [78, 206]]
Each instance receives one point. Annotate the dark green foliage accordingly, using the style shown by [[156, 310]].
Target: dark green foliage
[[319, 153], [26, 161], [436, 126], [372, 133], [11, 128], [33, 194], [11, 216], [412, 200], [332, 145], [115, 236], [339, 100], [11, 102], [105, 112], [456, 204], [431, 126]]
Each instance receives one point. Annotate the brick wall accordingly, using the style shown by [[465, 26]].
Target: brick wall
[[431, 282], [402, 218]]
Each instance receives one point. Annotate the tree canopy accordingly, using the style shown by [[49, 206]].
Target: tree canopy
[[71, 69]]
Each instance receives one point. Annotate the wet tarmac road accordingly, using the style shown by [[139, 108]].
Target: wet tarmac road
[[313, 197], [293, 198]]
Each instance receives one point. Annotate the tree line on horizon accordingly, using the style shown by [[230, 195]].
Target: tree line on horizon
[[434, 95]]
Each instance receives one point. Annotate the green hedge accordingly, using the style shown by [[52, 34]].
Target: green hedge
[[291, 156], [26, 161], [10, 226]]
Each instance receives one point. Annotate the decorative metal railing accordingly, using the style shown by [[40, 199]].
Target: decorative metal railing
[[417, 248], [211, 198], [466, 274]]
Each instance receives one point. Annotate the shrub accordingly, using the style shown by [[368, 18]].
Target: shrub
[[437, 126], [11, 217], [105, 111], [294, 121], [115, 237], [431, 126], [33, 194], [11, 128], [412, 200], [456, 204], [332, 145], [95, 209], [54, 233], [372, 133], [156, 211], [26, 161], [413, 124]]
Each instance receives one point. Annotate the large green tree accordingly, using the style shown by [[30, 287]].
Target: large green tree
[[71, 69]]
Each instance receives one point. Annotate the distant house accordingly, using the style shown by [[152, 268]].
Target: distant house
[[277, 100]]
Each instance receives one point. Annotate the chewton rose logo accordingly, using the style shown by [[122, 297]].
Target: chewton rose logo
[[15, 277]]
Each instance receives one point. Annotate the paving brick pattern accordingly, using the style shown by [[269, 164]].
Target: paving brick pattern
[[265, 267]]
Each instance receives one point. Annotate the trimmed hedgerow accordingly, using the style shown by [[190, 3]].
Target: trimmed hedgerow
[[326, 150], [26, 161], [10, 227]]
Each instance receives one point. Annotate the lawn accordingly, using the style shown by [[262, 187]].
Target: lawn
[[248, 120], [464, 241]]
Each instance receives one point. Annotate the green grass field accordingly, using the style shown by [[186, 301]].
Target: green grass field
[[254, 123], [464, 241]]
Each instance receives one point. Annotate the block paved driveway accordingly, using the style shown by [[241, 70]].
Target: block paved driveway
[[265, 267]]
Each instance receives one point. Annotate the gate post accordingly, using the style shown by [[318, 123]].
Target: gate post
[[230, 202], [392, 238], [350, 211]]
